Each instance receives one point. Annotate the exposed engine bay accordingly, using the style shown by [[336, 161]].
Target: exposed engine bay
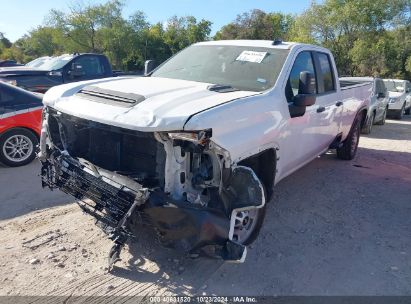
[[181, 184]]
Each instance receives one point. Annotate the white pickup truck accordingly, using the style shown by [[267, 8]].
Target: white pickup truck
[[195, 148]]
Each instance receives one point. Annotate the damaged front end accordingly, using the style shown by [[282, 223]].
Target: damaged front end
[[180, 183]]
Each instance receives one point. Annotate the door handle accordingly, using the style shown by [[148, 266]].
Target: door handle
[[320, 109], [339, 103]]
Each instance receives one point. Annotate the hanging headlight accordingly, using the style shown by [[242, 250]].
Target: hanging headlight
[[197, 137]]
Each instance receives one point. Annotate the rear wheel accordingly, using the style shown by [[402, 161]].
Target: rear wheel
[[350, 145], [17, 147]]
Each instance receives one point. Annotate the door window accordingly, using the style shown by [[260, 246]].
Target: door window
[[380, 88], [303, 62], [91, 66]]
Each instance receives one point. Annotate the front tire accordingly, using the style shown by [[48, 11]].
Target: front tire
[[384, 117], [350, 145], [248, 225], [367, 129], [400, 113], [17, 147], [408, 111]]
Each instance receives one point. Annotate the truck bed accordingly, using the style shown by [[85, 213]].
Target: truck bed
[[361, 89], [349, 82]]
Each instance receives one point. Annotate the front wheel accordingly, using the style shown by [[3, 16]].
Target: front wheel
[[17, 147], [248, 224], [400, 113], [384, 117], [350, 145], [408, 111], [367, 129]]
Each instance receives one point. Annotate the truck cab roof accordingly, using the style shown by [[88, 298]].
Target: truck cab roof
[[274, 44]]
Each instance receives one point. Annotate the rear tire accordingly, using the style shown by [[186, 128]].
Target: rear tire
[[18, 147], [350, 145]]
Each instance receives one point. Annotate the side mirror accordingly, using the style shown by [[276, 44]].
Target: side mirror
[[149, 66], [76, 70], [307, 83], [306, 90], [304, 100]]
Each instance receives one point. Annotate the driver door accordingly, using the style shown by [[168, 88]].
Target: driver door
[[308, 135]]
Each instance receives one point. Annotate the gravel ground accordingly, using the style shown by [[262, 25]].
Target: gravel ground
[[332, 228]]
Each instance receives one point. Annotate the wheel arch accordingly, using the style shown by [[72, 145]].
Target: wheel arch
[[264, 165], [20, 127], [362, 113]]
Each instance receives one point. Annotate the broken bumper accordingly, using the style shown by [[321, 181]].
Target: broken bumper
[[115, 205]]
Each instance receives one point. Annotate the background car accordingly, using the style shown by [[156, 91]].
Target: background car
[[378, 109], [58, 70], [20, 125], [399, 97], [38, 61], [8, 63]]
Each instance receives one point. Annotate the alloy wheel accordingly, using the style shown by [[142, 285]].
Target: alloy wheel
[[18, 148]]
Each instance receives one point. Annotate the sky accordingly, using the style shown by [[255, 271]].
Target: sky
[[20, 16]]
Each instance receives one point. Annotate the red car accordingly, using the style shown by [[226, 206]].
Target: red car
[[20, 125]]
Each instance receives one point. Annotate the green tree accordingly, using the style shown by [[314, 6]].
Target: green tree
[[257, 24], [180, 32], [82, 25], [42, 41], [4, 44], [355, 31]]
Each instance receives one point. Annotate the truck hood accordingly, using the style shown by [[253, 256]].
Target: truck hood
[[395, 94], [162, 104], [21, 71]]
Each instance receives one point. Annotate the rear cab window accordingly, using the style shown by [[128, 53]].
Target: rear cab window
[[326, 78]]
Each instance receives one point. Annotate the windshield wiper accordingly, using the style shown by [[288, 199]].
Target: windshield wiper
[[221, 88]]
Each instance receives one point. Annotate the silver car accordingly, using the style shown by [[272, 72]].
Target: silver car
[[399, 97], [378, 109]]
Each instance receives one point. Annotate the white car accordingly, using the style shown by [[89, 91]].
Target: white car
[[399, 97], [195, 148], [378, 109]]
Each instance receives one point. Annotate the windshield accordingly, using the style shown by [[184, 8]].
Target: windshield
[[55, 63], [37, 62], [240, 67], [394, 85]]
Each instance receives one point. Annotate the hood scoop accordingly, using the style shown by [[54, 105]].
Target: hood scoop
[[111, 97]]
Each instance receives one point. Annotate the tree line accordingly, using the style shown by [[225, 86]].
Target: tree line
[[367, 37]]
